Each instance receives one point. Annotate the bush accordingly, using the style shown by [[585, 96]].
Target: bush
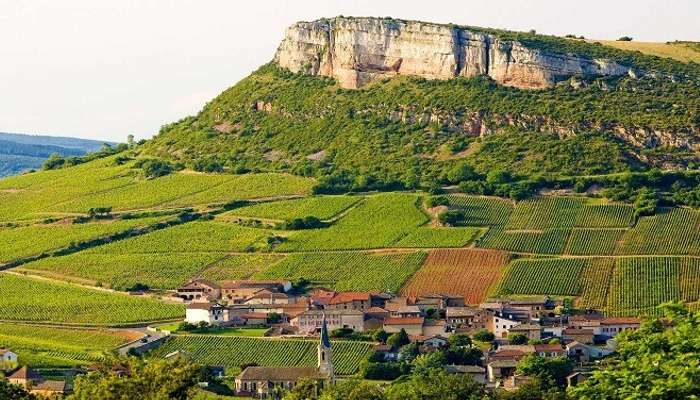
[[625, 39], [398, 340], [484, 336], [154, 168], [517, 338]]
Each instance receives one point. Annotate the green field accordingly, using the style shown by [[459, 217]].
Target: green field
[[32, 240], [605, 216], [482, 211], [194, 237], [550, 241], [348, 271], [545, 213], [671, 231], [103, 183], [234, 352], [122, 271], [29, 299], [585, 241], [50, 347], [321, 207], [240, 266], [545, 276], [379, 221], [428, 237]]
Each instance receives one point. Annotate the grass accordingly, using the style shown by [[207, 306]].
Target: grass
[[377, 222], [676, 51], [52, 347], [321, 207], [234, 352], [32, 240], [30, 299], [240, 266], [348, 271]]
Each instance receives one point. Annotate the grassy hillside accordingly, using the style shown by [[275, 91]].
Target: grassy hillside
[[681, 51]]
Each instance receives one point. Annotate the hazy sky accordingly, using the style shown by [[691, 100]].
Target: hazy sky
[[103, 69]]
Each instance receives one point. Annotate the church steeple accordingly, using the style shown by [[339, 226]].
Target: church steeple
[[325, 354]]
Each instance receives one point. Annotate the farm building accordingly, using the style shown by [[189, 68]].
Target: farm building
[[312, 320], [412, 326], [32, 381], [211, 313], [200, 290]]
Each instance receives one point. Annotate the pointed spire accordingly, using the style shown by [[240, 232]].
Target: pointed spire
[[325, 339]]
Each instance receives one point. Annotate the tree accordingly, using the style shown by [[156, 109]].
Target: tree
[[646, 202], [625, 39], [660, 360], [461, 172], [551, 371], [9, 391], [425, 363], [463, 355], [484, 335], [398, 339], [273, 318], [460, 340], [146, 379], [130, 141], [380, 336], [517, 338], [305, 389], [437, 385], [353, 389]]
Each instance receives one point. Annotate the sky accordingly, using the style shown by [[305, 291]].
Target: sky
[[106, 69]]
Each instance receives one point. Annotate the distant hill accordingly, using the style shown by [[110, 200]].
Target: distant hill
[[19, 153]]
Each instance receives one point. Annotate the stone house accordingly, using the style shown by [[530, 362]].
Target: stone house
[[497, 370], [477, 373], [239, 291], [211, 313], [311, 321], [583, 353], [33, 382], [200, 290], [500, 326], [407, 312], [531, 331], [413, 326], [467, 319], [350, 301], [581, 335]]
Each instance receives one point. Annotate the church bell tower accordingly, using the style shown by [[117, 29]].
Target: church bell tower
[[325, 354]]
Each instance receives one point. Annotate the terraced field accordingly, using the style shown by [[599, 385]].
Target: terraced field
[[51, 347], [466, 272], [482, 211], [240, 266], [321, 207], [429, 237], [348, 270], [671, 231], [30, 299], [590, 242], [234, 352], [551, 241], [379, 221], [545, 213]]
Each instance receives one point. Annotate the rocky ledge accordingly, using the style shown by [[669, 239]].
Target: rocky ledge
[[357, 51]]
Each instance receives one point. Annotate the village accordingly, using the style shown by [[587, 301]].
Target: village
[[513, 328]]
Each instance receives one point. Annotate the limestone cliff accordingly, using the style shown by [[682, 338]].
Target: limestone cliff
[[357, 51]]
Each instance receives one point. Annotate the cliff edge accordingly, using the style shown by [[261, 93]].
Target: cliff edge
[[357, 51]]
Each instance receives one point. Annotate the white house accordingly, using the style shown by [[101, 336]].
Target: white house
[[501, 326], [211, 313], [312, 320], [8, 359]]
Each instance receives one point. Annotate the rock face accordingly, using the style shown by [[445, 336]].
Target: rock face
[[357, 51]]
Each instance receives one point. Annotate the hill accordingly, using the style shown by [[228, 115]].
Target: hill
[[598, 110], [19, 153]]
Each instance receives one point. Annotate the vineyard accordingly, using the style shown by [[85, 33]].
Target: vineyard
[[30, 299], [605, 216], [543, 276], [348, 271], [426, 236], [550, 241], [467, 272], [122, 271], [321, 207], [48, 347], [671, 231], [240, 266], [235, 352], [586, 242], [545, 213], [377, 222], [482, 211]]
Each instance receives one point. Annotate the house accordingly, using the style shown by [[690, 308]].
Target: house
[[321, 297], [581, 335], [377, 313], [413, 326], [252, 319], [436, 342], [407, 312], [477, 373], [32, 381], [430, 302], [584, 353], [395, 303], [500, 326], [467, 319], [549, 350], [577, 377], [435, 327], [8, 359], [514, 382], [510, 352], [267, 296], [611, 326], [199, 290], [531, 331], [239, 291], [350, 301], [311, 321], [386, 352], [499, 369], [211, 313], [261, 382]]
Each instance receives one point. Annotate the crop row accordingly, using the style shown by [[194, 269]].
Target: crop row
[[550, 241], [482, 211], [321, 207], [236, 352]]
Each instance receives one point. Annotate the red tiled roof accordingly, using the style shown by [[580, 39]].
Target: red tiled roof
[[253, 316], [25, 373], [346, 297], [574, 331], [404, 321], [548, 348], [508, 354], [619, 321]]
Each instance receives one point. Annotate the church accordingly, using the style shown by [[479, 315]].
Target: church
[[268, 382]]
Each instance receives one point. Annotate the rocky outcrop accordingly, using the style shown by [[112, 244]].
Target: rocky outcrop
[[357, 51]]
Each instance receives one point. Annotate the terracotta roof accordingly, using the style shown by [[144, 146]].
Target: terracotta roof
[[253, 316], [548, 348], [264, 294], [434, 322], [408, 310], [465, 369], [346, 297], [279, 373], [202, 282], [201, 306], [25, 373], [404, 321], [619, 321], [574, 331], [461, 312], [526, 327], [252, 283], [51, 386], [508, 354], [333, 312]]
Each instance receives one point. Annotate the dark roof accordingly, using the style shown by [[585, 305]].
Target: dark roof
[[325, 339], [25, 373], [279, 373], [464, 369]]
